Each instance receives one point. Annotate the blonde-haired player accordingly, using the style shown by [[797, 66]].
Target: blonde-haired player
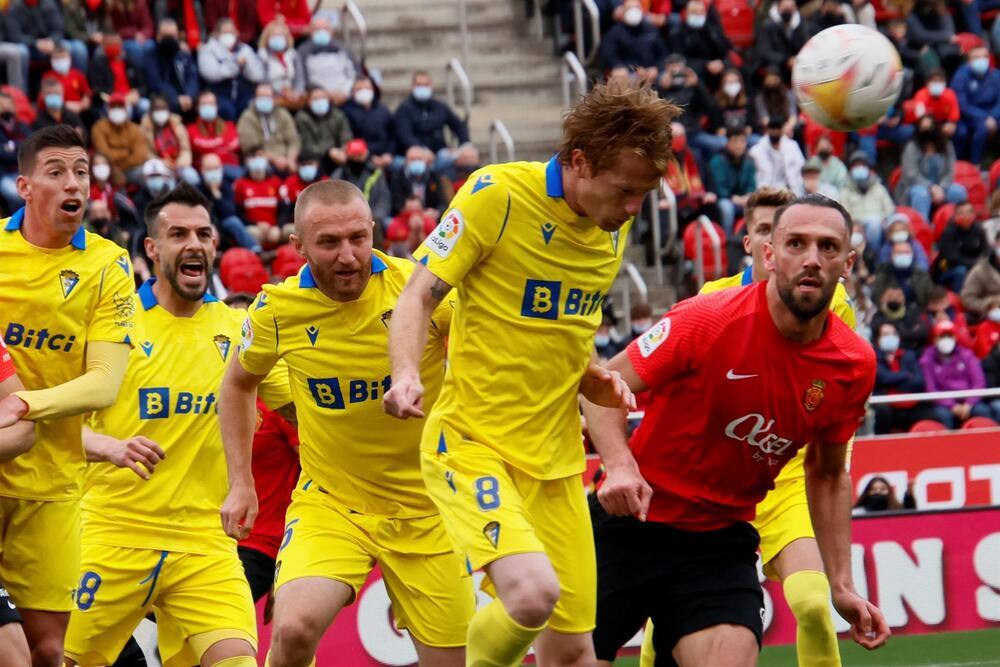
[[787, 543]]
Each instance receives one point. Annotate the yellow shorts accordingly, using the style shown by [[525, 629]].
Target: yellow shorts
[[423, 577], [202, 598], [491, 510], [40, 552], [782, 517]]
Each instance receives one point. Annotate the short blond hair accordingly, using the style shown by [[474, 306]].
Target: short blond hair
[[619, 115], [330, 193], [766, 198]]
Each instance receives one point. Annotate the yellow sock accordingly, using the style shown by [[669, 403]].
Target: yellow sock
[[238, 661], [496, 639], [647, 658], [808, 595]]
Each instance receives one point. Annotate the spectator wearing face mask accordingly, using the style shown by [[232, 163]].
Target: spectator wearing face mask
[[170, 70], [360, 169], [270, 128], [901, 272], [942, 306], [408, 229], [12, 133], [912, 325], [417, 178], [633, 43], [928, 170], [328, 64], [987, 338], [684, 179], [324, 129], [703, 43], [111, 72], [775, 99], [949, 366], [307, 173], [76, 89], [865, 267], [52, 109], [371, 121], [120, 207], [420, 119], [897, 231], [734, 177], [680, 84], [230, 68], [607, 341], [641, 316], [283, 68], [781, 36], [733, 101], [831, 13], [778, 159], [257, 197], [977, 86], [961, 245], [878, 496], [225, 216], [122, 142], [865, 198], [938, 101], [467, 160], [897, 372], [832, 169], [981, 291], [167, 138], [812, 183], [100, 222]]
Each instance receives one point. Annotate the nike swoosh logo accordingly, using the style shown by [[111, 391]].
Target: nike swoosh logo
[[733, 376]]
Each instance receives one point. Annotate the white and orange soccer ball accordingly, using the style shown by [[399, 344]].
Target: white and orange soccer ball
[[847, 77]]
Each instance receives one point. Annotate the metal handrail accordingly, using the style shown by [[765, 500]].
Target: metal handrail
[[572, 70], [539, 19], [654, 221], [499, 131], [635, 278], [351, 11], [935, 395], [463, 29], [595, 29], [452, 71], [699, 251]]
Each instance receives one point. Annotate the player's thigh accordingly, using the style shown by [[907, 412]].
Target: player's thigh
[[561, 519], [720, 646], [207, 599], [797, 556], [116, 588], [431, 596], [34, 531], [782, 518]]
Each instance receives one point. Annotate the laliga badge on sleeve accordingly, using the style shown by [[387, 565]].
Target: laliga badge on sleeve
[[444, 237]]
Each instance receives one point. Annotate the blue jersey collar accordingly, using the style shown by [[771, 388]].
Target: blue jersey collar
[[79, 240], [306, 279], [553, 178], [148, 299], [747, 275]]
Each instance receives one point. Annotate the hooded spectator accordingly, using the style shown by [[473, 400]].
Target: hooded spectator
[[949, 366], [901, 272], [230, 68], [268, 127], [121, 141], [898, 230], [283, 68], [360, 169], [977, 86], [170, 70], [897, 372], [778, 159], [324, 129], [961, 245], [928, 170], [167, 138], [328, 63], [634, 43], [421, 119], [372, 121], [981, 291]]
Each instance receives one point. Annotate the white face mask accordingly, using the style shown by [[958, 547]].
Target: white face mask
[[696, 21], [888, 343], [117, 115], [364, 96], [101, 171], [994, 315], [901, 236], [633, 16], [732, 88], [228, 39], [946, 345], [936, 89], [61, 65], [602, 340], [161, 116], [857, 238], [903, 261]]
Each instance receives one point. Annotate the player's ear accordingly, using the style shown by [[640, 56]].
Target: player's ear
[[746, 244], [578, 164], [769, 256], [151, 250], [852, 257], [23, 188], [297, 244]]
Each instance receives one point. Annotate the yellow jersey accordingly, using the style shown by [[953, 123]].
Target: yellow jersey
[[170, 395], [53, 301], [338, 364], [841, 306], [531, 277]]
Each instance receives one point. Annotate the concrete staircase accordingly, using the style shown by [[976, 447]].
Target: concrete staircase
[[515, 75]]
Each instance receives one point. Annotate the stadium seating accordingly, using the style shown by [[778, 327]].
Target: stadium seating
[[927, 426], [737, 21], [286, 262], [694, 234], [241, 270], [941, 218], [968, 175], [922, 231], [979, 422]]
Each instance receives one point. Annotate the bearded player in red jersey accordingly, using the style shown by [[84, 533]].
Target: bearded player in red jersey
[[738, 381]]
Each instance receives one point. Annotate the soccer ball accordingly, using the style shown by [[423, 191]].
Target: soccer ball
[[847, 77]]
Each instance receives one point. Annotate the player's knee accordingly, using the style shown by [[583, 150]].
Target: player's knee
[[808, 596], [295, 636], [811, 609], [532, 598], [47, 652]]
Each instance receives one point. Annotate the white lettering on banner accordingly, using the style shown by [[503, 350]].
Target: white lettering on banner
[[953, 476], [860, 585], [991, 473], [758, 435], [986, 562], [920, 583]]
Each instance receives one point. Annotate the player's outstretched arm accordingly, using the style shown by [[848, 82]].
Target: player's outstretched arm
[[237, 416], [95, 390], [407, 338], [624, 491], [17, 435], [123, 453], [828, 488]]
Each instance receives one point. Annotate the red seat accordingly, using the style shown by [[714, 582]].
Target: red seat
[[968, 41], [737, 18], [927, 426], [812, 132], [23, 108], [968, 175], [894, 177], [694, 234], [941, 218], [922, 231], [286, 262], [994, 174], [979, 422], [883, 13], [242, 271]]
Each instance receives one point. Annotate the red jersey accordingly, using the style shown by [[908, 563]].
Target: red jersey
[[258, 199], [74, 83], [294, 185], [944, 109], [7, 369], [732, 400], [275, 467], [219, 137]]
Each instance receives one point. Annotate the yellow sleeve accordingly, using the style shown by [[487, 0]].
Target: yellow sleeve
[[842, 306], [274, 389], [259, 338], [113, 319], [468, 231], [97, 388]]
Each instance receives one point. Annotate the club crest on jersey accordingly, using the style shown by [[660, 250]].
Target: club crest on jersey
[[652, 339], [814, 395], [385, 317], [124, 309], [222, 344], [68, 279], [548, 229], [492, 533], [444, 237], [312, 331]]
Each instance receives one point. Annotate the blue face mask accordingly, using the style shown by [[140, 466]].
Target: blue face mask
[[979, 65], [212, 176], [859, 173], [307, 172], [264, 105], [320, 107], [53, 101], [157, 184], [416, 167], [257, 164], [422, 93], [277, 43], [321, 37], [208, 112]]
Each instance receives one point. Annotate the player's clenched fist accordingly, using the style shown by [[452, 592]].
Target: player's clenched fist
[[606, 388], [405, 399], [625, 492], [239, 511]]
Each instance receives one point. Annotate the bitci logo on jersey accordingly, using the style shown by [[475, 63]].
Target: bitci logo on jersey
[[654, 338], [444, 237]]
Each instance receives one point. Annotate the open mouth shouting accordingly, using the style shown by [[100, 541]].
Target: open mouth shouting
[[72, 206]]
